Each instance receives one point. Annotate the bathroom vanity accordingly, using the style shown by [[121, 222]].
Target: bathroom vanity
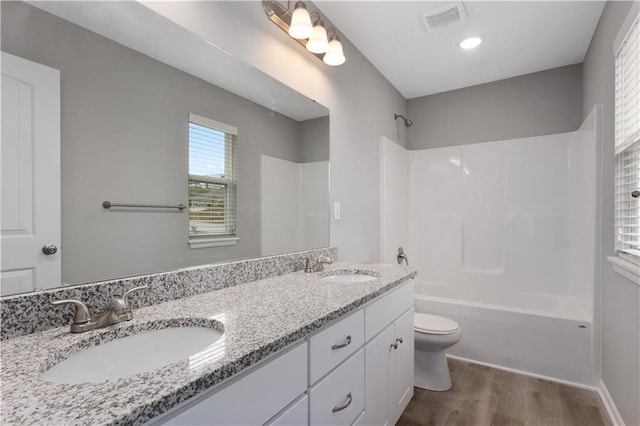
[[293, 351], [341, 388]]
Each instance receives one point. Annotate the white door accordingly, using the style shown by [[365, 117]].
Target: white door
[[394, 198], [30, 206]]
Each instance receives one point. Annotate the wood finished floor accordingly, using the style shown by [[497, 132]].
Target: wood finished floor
[[485, 396]]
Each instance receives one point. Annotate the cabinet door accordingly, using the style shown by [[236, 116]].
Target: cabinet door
[[377, 358], [401, 372]]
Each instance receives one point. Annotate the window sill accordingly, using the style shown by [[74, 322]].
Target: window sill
[[625, 268], [213, 242]]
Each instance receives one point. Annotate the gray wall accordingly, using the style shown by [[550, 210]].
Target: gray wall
[[619, 298], [124, 139], [314, 140], [536, 104]]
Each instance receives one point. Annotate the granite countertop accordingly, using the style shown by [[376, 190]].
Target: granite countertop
[[259, 318]]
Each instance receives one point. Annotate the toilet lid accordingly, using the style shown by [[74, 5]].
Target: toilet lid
[[434, 324]]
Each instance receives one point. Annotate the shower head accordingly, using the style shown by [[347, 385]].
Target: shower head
[[407, 122]]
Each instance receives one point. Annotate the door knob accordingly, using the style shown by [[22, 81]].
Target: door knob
[[49, 249]]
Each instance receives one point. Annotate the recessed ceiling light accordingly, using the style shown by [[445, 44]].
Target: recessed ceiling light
[[470, 43]]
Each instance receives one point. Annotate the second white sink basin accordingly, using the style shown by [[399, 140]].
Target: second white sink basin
[[348, 278], [139, 353]]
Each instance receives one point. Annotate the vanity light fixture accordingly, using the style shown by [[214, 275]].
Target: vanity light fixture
[[298, 25], [318, 42], [470, 42], [334, 55]]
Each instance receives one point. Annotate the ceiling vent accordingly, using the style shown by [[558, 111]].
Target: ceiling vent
[[443, 16]]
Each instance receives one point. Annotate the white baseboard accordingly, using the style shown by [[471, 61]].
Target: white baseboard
[[609, 405], [526, 373], [602, 391]]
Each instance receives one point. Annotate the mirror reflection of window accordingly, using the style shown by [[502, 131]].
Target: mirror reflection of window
[[213, 174]]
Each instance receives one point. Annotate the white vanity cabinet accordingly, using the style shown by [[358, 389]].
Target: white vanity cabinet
[[357, 370]]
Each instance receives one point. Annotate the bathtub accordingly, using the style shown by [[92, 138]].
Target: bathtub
[[543, 335]]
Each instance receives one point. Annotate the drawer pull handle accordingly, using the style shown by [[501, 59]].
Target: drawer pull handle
[[346, 343], [342, 407]]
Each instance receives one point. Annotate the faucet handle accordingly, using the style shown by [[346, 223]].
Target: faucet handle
[[125, 296], [307, 265], [81, 315]]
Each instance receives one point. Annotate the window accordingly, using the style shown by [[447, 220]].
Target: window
[[627, 142], [212, 182]]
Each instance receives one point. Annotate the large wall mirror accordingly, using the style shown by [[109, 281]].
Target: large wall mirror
[[130, 84]]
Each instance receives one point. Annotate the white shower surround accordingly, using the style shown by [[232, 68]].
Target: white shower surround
[[503, 236], [508, 222]]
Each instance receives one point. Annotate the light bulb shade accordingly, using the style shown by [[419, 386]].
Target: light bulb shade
[[318, 41], [334, 55], [300, 27]]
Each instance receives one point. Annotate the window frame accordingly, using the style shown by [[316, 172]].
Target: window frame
[[627, 259], [231, 133]]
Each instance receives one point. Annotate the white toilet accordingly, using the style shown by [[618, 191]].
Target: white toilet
[[433, 334]]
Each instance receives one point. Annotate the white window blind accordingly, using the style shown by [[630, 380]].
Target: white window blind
[[213, 171], [627, 144]]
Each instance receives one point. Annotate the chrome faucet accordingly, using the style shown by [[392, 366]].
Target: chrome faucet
[[319, 266], [118, 310]]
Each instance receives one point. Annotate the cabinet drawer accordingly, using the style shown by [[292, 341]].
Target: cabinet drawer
[[387, 308], [339, 398], [334, 344], [267, 389], [296, 415]]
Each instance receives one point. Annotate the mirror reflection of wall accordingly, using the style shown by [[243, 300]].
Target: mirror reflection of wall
[[124, 139], [293, 194]]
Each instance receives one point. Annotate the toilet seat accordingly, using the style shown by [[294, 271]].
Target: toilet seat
[[433, 324]]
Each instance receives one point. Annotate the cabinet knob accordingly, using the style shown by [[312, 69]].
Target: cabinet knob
[[394, 345]]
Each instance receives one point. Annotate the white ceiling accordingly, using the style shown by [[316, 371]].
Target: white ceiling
[[519, 37]]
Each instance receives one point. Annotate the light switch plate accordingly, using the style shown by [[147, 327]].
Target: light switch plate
[[336, 211]]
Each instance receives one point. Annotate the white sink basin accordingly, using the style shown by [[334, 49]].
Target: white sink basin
[[138, 353], [348, 278]]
